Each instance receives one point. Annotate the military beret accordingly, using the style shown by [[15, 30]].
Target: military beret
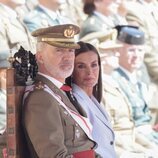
[[59, 35], [131, 35], [119, 28]]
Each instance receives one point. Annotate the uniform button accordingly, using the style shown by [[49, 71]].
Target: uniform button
[[111, 143]]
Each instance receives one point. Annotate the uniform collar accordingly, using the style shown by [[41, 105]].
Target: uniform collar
[[132, 76], [53, 80], [106, 19]]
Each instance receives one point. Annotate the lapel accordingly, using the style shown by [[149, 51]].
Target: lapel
[[57, 91], [93, 105], [104, 118]]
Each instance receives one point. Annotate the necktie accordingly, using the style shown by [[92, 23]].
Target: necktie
[[67, 89]]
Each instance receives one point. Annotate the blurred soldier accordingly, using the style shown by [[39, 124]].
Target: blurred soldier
[[28, 6], [131, 58], [13, 32], [73, 10], [45, 14], [143, 13], [118, 106], [98, 19]]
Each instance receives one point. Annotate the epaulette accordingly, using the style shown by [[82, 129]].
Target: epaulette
[[39, 86]]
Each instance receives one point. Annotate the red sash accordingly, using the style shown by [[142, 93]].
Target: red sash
[[85, 154]]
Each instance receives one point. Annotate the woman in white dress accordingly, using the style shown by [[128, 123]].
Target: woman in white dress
[[86, 87]]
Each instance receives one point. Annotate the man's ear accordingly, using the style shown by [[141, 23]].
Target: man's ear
[[39, 58]]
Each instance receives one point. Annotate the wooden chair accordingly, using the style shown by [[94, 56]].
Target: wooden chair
[[14, 104], [23, 71]]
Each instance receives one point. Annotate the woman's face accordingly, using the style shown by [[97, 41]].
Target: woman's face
[[86, 70]]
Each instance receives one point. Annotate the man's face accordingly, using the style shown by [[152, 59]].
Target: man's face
[[56, 62], [131, 56]]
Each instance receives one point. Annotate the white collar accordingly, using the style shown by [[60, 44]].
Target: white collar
[[53, 80], [132, 76]]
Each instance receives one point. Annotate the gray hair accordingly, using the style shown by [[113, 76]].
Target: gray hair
[[40, 46]]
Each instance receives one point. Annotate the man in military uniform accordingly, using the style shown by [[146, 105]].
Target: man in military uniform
[[13, 33], [144, 14], [53, 126], [118, 106], [98, 19], [45, 14], [25, 8], [131, 58]]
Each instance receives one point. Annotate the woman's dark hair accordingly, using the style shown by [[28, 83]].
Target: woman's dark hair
[[89, 7], [85, 47]]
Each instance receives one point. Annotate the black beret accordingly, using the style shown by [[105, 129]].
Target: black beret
[[130, 35]]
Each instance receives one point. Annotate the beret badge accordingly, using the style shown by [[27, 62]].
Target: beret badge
[[69, 32]]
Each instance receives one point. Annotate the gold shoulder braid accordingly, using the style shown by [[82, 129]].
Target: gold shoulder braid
[[39, 85]]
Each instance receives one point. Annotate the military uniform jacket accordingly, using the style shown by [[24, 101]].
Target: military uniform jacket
[[39, 18], [51, 131], [94, 23], [102, 131], [120, 112], [146, 17], [117, 106], [13, 33], [137, 96]]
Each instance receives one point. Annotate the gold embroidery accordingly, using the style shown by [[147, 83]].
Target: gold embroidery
[[69, 32]]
